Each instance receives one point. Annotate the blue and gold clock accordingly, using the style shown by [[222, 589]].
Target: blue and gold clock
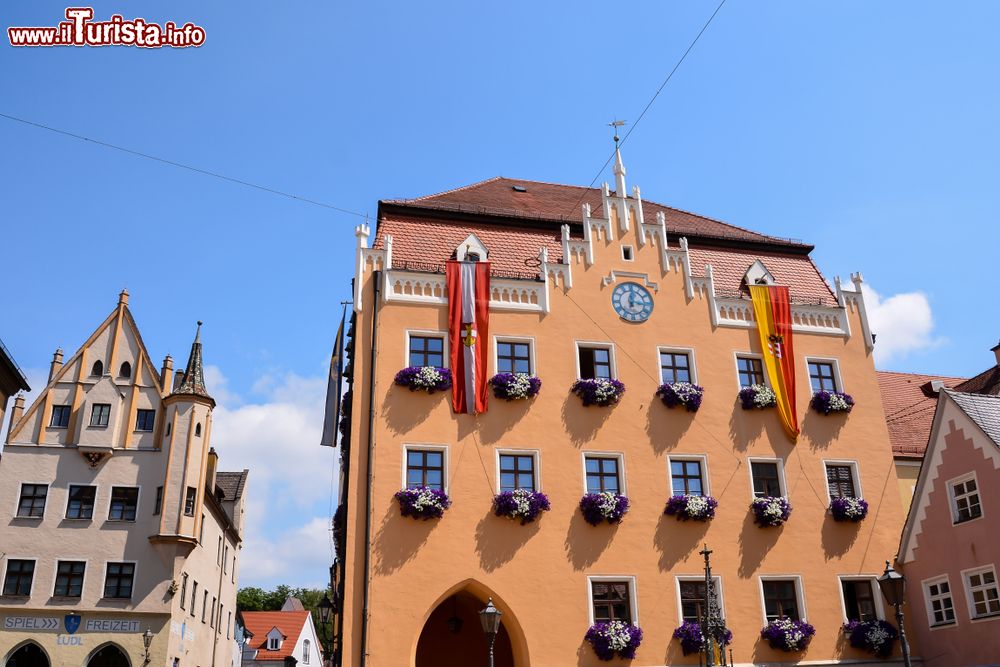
[[632, 302]]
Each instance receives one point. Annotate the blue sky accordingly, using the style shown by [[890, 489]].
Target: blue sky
[[868, 129]]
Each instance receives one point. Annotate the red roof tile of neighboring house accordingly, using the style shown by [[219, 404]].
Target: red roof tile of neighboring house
[[909, 409], [987, 382], [289, 623]]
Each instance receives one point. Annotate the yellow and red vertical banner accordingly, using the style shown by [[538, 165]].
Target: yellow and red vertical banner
[[773, 311], [468, 324]]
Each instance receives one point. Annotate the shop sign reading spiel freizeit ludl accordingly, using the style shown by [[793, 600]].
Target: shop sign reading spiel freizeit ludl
[[66, 630]]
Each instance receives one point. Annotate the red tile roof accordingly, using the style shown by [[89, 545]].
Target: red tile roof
[[729, 266], [289, 623], [909, 409], [987, 382]]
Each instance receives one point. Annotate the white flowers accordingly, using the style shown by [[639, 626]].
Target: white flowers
[[607, 504], [696, 506], [763, 397], [771, 510], [876, 636], [604, 390], [619, 634], [426, 499], [428, 377], [853, 508]]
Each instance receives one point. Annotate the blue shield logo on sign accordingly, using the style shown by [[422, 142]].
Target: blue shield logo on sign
[[72, 622]]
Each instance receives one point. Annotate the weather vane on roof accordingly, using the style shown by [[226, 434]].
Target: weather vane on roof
[[616, 124]]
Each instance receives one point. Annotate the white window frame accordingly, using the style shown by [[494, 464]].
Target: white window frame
[[924, 589], [306, 651], [631, 252], [577, 344], [135, 577], [800, 597], [17, 500], [768, 459], [622, 479], [837, 377], [425, 332], [716, 579], [530, 340], [274, 643], [749, 355], [706, 483], [513, 451], [34, 578], [633, 598], [689, 351], [83, 584], [967, 589], [138, 503], [855, 474], [446, 477], [872, 579], [953, 501]]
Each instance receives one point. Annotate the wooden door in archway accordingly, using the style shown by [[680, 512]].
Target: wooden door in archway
[[453, 636]]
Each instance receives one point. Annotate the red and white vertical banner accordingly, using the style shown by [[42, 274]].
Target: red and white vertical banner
[[468, 326]]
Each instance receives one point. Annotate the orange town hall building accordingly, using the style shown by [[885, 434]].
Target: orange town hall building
[[466, 301]]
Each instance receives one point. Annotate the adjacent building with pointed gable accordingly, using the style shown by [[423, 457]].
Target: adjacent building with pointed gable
[[118, 520], [286, 637]]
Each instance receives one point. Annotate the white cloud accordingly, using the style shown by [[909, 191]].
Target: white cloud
[[903, 324]]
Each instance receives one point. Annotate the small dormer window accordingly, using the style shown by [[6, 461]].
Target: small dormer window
[[758, 274], [97, 370], [273, 643], [126, 370], [472, 257], [471, 250]]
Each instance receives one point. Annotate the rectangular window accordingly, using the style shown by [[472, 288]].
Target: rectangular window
[[517, 471], [99, 414], [595, 361], [685, 478], [69, 579], [184, 589], [840, 480], [118, 580], [983, 593], [124, 501], [194, 597], [211, 618], [751, 371], [513, 357], [611, 601], [204, 606], [60, 416], [602, 475], [158, 503], [19, 576], [81, 502], [144, 420], [766, 479], [780, 599], [189, 500], [675, 367], [32, 502], [426, 351], [965, 500], [859, 599], [424, 468], [821, 376], [693, 598], [940, 608]]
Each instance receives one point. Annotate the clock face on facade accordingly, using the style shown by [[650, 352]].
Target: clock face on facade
[[632, 302]]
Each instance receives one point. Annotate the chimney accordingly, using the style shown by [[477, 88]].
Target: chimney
[[996, 351], [166, 374], [213, 467], [57, 363], [15, 413]]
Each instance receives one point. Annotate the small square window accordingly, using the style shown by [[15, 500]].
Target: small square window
[[31, 505], [60, 416], [612, 601], [517, 471], [859, 599], [751, 371], [965, 500], [426, 350], [118, 580], [627, 253], [81, 502], [675, 367], [69, 579], [821, 376], [595, 361], [780, 599], [514, 357], [602, 474], [124, 502], [424, 468], [100, 413], [940, 607], [840, 480], [766, 479], [983, 593], [693, 598], [686, 477], [20, 574], [144, 420]]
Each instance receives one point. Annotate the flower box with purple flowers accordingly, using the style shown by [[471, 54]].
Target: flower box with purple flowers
[[598, 391], [875, 636], [848, 509], [826, 402], [696, 508], [692, 639], [614, 638], [606, 506], [784, 634], [521, 504], [681, 393], [771, 510], [757, 396], [424, 378], [515, 386], [423, 503]]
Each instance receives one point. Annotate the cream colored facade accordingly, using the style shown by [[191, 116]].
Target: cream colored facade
[[182, 544]]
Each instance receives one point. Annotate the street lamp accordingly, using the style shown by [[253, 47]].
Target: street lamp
[[147, 640], [490, 618], [325, 607], [893, 586]]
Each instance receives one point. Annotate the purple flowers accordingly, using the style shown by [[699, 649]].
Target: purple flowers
[[758, 396], [521, 504], [875, 636], [771, 511], [681, 393], [423, 503], [849, 509], [515, 386], [598, 391], [614, 638], [607, 506], [692, 639], [784, 634], [424, 378], [698, 508], [826, 402]]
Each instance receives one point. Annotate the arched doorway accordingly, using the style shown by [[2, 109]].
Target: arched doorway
[[453, 637], [108, 656], [29, 655]]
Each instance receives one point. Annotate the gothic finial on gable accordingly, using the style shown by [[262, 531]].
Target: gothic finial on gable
[[193, 380]]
